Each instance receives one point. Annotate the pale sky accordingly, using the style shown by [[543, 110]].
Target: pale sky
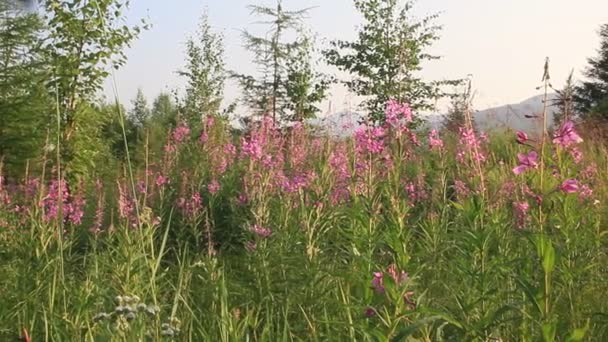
[[502, 43]]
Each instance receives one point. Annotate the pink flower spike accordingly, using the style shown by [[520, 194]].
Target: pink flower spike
[[529, 161], [522, 137], [260, 231], [435, 141], [213, 187], [378, 282], [569, 186]]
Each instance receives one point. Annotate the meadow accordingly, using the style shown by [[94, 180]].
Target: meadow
[[289, 234]]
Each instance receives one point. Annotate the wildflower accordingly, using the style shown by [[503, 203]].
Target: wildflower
[[180, 133], [152, 310], [120, 309], [569, 186], [399, 278], [566, 136], [576, 154], [260, 231], [378, 282], [242, 199], [521, 212], [369, 139], [161, 180], [396, 111], [100, 317], [529, 161], [434, 141], [213, 187], [585, 193], [252, 148], [370, 312], [462, 190], [469, 144], [521, 137], [203, 138]]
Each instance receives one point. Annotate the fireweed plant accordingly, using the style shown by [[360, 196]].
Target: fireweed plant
[[284, 233]]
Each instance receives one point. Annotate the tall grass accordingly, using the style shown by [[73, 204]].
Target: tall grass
[[287, 234]]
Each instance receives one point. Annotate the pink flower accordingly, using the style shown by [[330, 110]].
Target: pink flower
[[399, 278], [396, 111], [566, 136], [213, 187], [434, 141], [569, 186], [203, 138], [462, 190], [370, 312], [180, 133], [529, 161], [576, 154], [252, 148], [260, 231], [161, 180], [369, 139], [378, 282], [521, 137], [521, 212], [585, 192]]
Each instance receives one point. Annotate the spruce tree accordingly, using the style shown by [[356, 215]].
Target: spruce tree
[[457, 112], [140, 112], [564, 101], [592, 94], [266, 93]]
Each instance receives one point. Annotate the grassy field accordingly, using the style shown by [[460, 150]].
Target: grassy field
[[288, 235]]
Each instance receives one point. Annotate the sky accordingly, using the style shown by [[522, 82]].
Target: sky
[[501, 43]]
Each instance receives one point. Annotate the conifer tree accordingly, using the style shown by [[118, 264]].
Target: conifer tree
[[266, 93], [140, 112], [564, 101], [592, 94]]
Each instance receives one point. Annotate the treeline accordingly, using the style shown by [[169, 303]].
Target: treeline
[[54, 61]]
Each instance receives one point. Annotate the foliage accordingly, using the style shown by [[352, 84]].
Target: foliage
[[565, 101], [304, 88], [378, 236], [281, 85], [24, 103], [205, 73], [592, 92], [387, 56], [140, 112], [86, 38]]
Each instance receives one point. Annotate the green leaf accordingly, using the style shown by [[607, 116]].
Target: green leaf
[[549, 331], [548, 256], [578, 334]]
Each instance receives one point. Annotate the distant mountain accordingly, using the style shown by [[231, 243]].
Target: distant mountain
[[339, 124], [512, 116], [524, 116]]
